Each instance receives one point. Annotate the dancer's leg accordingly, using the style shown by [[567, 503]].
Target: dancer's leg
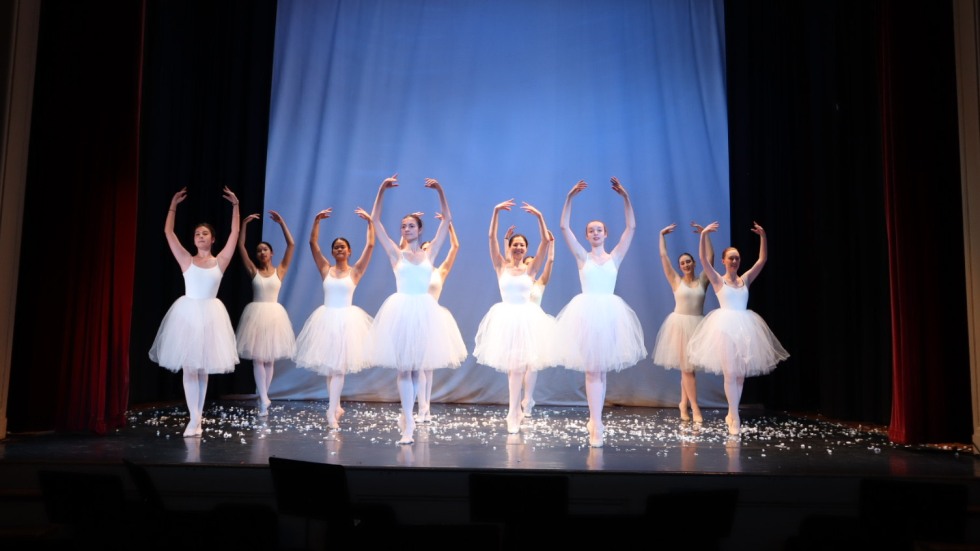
[[733, 392], [425, 395], [191, 391], [530, 380], [595, 394], [515, 380], [689, 396], [202, 386], [261, 371], [407, 391], [335, 387]]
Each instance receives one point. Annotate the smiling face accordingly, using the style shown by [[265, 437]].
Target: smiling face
[[686, 263], [518, 248], [730, 259], [595, 233]]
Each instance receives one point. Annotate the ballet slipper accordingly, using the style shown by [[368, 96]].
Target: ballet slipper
[[264, 407], [193, 430], [407, 431], [684, 415]]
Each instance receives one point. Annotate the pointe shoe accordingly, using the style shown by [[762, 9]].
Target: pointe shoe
[[340, 413], [733, 426], [684, 415], [528, 408], [264, 407], [595, 436], [514, 424], [332, 418], [696, 414]]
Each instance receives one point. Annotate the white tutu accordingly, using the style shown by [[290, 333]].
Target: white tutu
[[333, 341], [265, 333], [412, 331], [515, 336], [599, 332], [196, 335], [670, 350], [741, 335]]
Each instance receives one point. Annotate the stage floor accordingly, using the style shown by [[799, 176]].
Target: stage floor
[[473, 437]]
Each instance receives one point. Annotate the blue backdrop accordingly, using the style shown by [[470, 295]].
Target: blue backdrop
[[499, 99]]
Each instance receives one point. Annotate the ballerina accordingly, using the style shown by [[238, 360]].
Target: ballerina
[[732, 340], [603, 333]]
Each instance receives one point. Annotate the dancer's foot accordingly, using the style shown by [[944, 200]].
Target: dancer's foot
[[684, 416], [193, 430], [332, 419], [340, 413], [527, 407], [264, 407], [696, 413], [514, 423], [424, 417], [408, 429], [596, 434], [734, 425]]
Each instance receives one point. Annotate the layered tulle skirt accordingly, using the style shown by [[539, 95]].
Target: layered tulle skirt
[[739, 338], [413, 332], [599, 332], [670, 349], [334, 341], [265, 332], [196, 335], [516, 336]]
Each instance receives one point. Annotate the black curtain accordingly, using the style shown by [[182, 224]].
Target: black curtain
[[207, 84]]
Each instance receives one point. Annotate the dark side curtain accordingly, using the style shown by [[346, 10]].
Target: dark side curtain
[[71, 357], [923, 210], [843, 137]]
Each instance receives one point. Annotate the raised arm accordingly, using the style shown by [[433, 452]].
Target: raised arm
[[507, 235], [539, 257], [228, 251], [711, 252], [669, 272], [566, 215], [753, 272], [443, 230], [447, 264], [287, 255], [495, 257], [550, 262], [322, 264], [242, 251], [619, 252], [713, 276], [181, 254], [391, 248], [362, 262]]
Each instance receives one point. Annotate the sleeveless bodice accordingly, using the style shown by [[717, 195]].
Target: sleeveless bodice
[[435, 284], [689, 300], [515, 289], [413, 279], [266, 289], [202, 283], [598, 278], [338, 292], [734, 298]]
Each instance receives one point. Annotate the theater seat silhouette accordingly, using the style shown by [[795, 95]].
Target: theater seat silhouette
[[531, 508], [698, 519], [91, 508], [319, 493]]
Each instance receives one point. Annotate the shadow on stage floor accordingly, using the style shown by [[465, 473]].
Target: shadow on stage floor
[[788, 478]]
